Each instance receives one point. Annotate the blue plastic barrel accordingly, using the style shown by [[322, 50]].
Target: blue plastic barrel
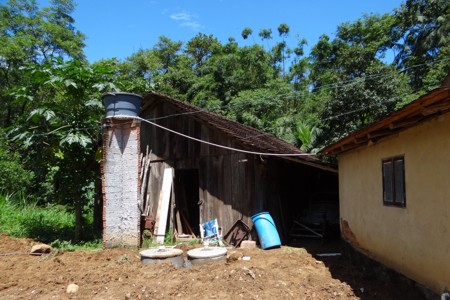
[[122, 104], [267, 231]]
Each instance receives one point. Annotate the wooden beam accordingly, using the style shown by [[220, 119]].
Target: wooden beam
[[163, 206], [435, 108], [361, 140], [405, 123], [380, 133]]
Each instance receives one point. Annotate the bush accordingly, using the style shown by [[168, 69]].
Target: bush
[[14, 179], [48, 224], [29, 220]]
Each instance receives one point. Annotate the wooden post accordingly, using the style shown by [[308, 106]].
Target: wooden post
[[178, 221], [172, 213]]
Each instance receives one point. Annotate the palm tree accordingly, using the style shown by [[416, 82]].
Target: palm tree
[[308, 135]]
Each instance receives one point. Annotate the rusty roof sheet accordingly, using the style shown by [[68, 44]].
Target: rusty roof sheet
[[250, 138], [434, 103]]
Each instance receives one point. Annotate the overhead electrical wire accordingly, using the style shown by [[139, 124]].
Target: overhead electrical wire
[[234, 106], [212, 144], [342, 84], [224, 107], [333, 85], [350, 82], [362, 108], [297, 93]]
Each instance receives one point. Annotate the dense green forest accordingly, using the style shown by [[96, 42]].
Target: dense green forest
[[51, 116]]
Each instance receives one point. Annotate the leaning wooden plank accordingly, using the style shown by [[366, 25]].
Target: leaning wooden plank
[[172, 216], [163, 206], [147, 202], [147, 194], [178, 221], [141, 160], [143, 179], [145, 183], [141, 157]]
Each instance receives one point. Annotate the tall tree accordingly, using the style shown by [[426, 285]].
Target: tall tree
[[265, 35], [166, 67], [266, 108], [422, 30], [246, 32], [299, 67], [29, 34], [355, 86], [62, 133], [168, 52], [283, 31], [201, 47]]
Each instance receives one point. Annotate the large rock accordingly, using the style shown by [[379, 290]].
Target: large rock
[[41, 248]]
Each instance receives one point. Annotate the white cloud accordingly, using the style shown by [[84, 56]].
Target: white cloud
[[193, 25], [181, 17], [186, 19]]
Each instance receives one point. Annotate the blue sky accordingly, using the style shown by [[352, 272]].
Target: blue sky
[[119, 28]]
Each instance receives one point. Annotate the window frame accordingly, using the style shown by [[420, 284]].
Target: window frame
[[395, 187]]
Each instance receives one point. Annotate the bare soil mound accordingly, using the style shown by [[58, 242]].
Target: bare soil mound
[[283, 273]]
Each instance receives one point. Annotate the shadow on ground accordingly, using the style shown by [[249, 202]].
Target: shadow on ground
[[368, 279]]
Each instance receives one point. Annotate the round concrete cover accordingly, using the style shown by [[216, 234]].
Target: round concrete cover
[[207, 252], [160, 253]]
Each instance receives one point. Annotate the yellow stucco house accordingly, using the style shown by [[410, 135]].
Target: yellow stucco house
[[394, 189]]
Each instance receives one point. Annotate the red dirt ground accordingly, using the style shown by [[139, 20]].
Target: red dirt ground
[[283, 273]]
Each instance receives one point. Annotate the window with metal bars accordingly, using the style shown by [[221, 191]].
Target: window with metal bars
[[394, 181]]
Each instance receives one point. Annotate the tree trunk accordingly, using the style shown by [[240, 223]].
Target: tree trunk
[[98, 208], [78, 220]]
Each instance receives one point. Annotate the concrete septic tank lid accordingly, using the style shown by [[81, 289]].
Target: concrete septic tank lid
[[207, 252], [160, 253]]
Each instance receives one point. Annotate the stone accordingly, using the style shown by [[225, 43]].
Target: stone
[[248, 244], [233, 256], [249, 272], [41, 248], [72, 288]]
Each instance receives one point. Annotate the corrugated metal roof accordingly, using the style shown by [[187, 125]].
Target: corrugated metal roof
[[427, 106], [250, 138]]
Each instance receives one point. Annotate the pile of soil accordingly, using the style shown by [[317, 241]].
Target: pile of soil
[[282, 273]]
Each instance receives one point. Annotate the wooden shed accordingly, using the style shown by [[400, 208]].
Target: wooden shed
[[220, 168]]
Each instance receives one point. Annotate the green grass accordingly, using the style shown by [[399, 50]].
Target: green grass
[[50, 224]]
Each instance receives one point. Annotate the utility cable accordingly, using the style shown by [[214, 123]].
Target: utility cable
[[292, 94], [342, 84], [212, 144], [336, 85]]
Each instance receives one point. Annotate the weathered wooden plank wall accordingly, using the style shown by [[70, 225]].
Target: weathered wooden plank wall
[[226, 178], [232, 186]]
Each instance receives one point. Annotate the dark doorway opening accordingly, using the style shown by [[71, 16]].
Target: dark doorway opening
[[187, 198]]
